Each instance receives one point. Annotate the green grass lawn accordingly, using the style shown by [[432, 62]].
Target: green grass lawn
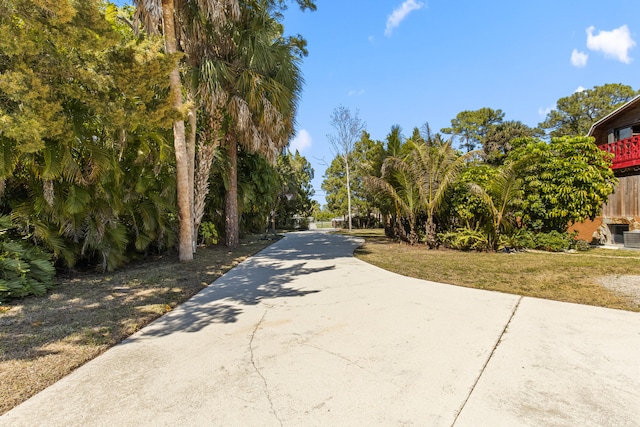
[[570, 277]]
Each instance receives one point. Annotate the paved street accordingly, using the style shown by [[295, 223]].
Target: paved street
[[303, 334]]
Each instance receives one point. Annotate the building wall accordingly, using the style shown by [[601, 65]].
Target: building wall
[[625, 201], [622, 208], [586, 229]]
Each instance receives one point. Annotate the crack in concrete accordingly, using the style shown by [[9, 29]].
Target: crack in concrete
[[339, 356], [495, 347], [255, 367]]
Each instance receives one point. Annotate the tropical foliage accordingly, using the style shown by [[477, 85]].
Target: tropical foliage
[[91, 158], [564, 181], [518, 191], [116, 143], [84, 137], [25, 269]]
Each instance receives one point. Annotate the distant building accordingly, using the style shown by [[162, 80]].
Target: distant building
[[619, 133]]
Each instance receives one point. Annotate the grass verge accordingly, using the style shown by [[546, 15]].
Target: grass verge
[[42, 339], [569, 277]]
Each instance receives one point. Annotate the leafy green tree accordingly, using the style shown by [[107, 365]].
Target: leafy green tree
[[259, 184], [163, 17], [472, 126], [416, 135], [262, 186], [93, 108], [334, 188], [425, 134], [295, 173], [259, 189], [321, 213], [367, 156], [564, 181], [575, 114], [366, 159], [395, 141], [461, 207], [499, 139], [209, 33]]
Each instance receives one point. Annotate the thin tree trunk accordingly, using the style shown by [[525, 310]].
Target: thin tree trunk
[[191, 155], [185, 234], [231, 224]]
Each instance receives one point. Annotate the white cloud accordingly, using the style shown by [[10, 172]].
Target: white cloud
[[301, 142], [614, 44], [400, 13], [543, 112], [579, 59], [579, 89], [356, 92]]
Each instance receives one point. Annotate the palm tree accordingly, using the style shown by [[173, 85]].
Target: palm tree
[[503, 191], [398, 182], [250, 82], [425, 174], [436, 168], [156, 14]]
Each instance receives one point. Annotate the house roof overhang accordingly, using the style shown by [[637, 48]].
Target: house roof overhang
[[614, 113]]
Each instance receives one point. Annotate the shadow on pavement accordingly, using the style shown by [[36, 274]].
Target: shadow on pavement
[[266, 275]]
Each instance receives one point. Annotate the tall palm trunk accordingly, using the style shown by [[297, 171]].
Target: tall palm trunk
[[205, 154], [430, 231], [231, 228], [191, 156], [185, 234]]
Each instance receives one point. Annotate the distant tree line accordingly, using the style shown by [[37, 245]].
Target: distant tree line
[[506, 185]]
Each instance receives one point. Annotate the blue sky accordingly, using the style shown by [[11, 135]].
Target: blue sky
[[412, 62]]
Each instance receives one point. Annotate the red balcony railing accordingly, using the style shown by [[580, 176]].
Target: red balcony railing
[[626, 152]]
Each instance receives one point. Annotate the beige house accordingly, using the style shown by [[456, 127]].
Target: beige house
[[618, 133]]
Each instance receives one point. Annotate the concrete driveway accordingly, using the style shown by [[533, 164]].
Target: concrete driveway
[[303, 334]]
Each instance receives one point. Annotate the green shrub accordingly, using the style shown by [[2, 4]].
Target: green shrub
[[519, 239], [25, 269], [208, 233], [553, 241], [465, 239], [580, 245]]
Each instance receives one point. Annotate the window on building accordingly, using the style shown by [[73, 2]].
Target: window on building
[[622, 133]]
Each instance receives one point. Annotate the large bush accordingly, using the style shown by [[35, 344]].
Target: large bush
[[564, 181]]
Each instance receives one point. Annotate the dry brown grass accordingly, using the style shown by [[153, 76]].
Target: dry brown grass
[[569, 277], [42, 339]]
